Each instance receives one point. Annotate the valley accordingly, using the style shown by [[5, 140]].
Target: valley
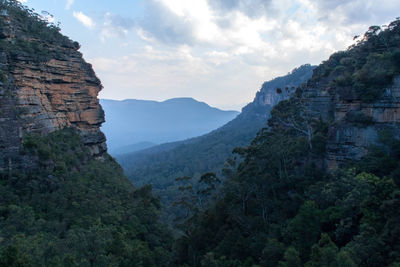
[[307, 174]]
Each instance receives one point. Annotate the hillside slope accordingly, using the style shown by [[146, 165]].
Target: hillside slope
[[320, 186], [132, 121], [63, 200], [160, 165]]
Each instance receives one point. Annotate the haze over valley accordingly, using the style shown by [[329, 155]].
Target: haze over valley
[[305, 174], [131, 122]]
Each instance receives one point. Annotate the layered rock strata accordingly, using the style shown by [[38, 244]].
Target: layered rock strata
[[43, 94], [350, 140]]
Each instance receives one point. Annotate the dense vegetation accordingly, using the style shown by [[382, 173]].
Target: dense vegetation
[[160, 165], [30, 35], [367, 68], [278, 205], [281, 207], [76, 211], [71, 209]]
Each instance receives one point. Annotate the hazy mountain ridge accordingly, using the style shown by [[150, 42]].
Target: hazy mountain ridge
[[210, 151], [63, 200], [320, 186], [132, 121], [160, 165]]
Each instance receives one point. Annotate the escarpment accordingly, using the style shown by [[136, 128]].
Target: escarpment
[[355, 125], [45, 86], [356, 93]]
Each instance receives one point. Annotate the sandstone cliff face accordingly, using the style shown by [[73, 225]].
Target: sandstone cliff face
[[355, 94], [268, 92], [267, 96], [41, 95], [350, 140]]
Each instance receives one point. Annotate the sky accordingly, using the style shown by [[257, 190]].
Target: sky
[[216, 51]]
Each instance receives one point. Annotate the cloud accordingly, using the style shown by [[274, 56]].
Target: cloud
[[348, 12], [116, 26], [220, 51], [69, 4], [252, 8], [85, 20], [197, 23], [23, 1], [163, 24]]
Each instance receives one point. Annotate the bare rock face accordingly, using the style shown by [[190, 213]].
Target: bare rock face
[[44, 90], [273, 92], [355, 124]]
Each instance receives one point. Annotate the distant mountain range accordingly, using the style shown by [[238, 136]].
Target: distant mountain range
[[160, 165], [137, 124]]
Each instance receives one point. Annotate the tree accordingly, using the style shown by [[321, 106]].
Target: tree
[[291, 258]]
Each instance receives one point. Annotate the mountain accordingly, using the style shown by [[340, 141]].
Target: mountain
[[160, 165], [317, 186], [320, 186], [45, 86], [63, 200], [133, 148], [132, 121]]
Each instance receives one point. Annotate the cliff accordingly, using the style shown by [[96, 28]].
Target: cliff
[[286, 84], [160, 165], [356, 93], [45, 85], [321, 185], [355, 125], [267, 96]]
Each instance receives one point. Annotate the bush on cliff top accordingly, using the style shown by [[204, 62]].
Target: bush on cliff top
[[34, 33]]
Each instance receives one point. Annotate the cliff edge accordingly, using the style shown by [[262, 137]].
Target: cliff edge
[[45, 85]]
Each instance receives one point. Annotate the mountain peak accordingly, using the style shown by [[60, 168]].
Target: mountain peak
[[132, 121], [182, 99]]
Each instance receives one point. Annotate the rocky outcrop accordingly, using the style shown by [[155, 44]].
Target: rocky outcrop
[[268, 96], [349, 140], [354, 125], [45, 86], [351, 102]]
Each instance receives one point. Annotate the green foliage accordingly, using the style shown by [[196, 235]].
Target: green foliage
[[280, 207], [3, 78], [300, 216], [304, 229], [324, 253], [75, 210], [34, 35], [160, 165], [272, 253], [365, 70], [291, 258], [12, 256], [358, 118]]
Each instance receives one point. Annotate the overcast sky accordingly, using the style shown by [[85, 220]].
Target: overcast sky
[[217, 51]]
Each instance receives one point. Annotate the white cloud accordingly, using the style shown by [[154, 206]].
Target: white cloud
[[115, 26], [69, 4], [85, 20], [23, 1], [221, 51]]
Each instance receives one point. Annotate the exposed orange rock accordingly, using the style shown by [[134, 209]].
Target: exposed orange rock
[[42, 96]]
